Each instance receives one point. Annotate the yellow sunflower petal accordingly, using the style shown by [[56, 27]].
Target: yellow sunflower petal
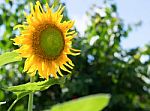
[[69, 66], [52, 67], [75, 50], [28, 63], [71, 32], [33, 73], [64, 68], [19, 26], [32, 69], [59, 72], [40, 69]]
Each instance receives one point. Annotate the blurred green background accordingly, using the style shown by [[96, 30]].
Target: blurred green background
[[103, 66]]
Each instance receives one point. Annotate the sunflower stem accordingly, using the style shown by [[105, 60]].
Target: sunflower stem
[[9, 109], [30, 101]]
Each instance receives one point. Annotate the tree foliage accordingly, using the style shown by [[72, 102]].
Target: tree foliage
[[105, 67]]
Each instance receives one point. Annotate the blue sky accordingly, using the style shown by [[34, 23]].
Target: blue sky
[[131, 11]]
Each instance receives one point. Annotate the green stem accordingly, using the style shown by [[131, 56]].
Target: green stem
[[30, 102], [9, 109]]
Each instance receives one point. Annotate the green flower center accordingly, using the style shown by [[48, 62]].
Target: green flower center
[[51, 41]]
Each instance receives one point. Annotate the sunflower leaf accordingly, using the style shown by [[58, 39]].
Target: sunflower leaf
[[94, 102], [9, 57], [25, 89]]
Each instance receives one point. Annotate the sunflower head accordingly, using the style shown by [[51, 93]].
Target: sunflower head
[[45, 40]]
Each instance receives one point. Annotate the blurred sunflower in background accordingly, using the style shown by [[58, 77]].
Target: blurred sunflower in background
[[45, 40]]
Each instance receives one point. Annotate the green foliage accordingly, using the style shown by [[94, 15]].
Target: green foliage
[[9, 57], [25, 89], [89, 103], [105, 67]]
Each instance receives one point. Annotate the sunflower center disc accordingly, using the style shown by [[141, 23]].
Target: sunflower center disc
[[51, 42]]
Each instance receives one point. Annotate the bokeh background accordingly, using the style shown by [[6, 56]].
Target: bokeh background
[[115, 54]]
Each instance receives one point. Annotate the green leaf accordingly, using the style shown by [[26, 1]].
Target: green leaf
[[9, 57], [25, 89], [89, 103], [44, 1], [56, 2]]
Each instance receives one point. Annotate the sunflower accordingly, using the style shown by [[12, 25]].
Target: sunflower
[[45, 40]]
